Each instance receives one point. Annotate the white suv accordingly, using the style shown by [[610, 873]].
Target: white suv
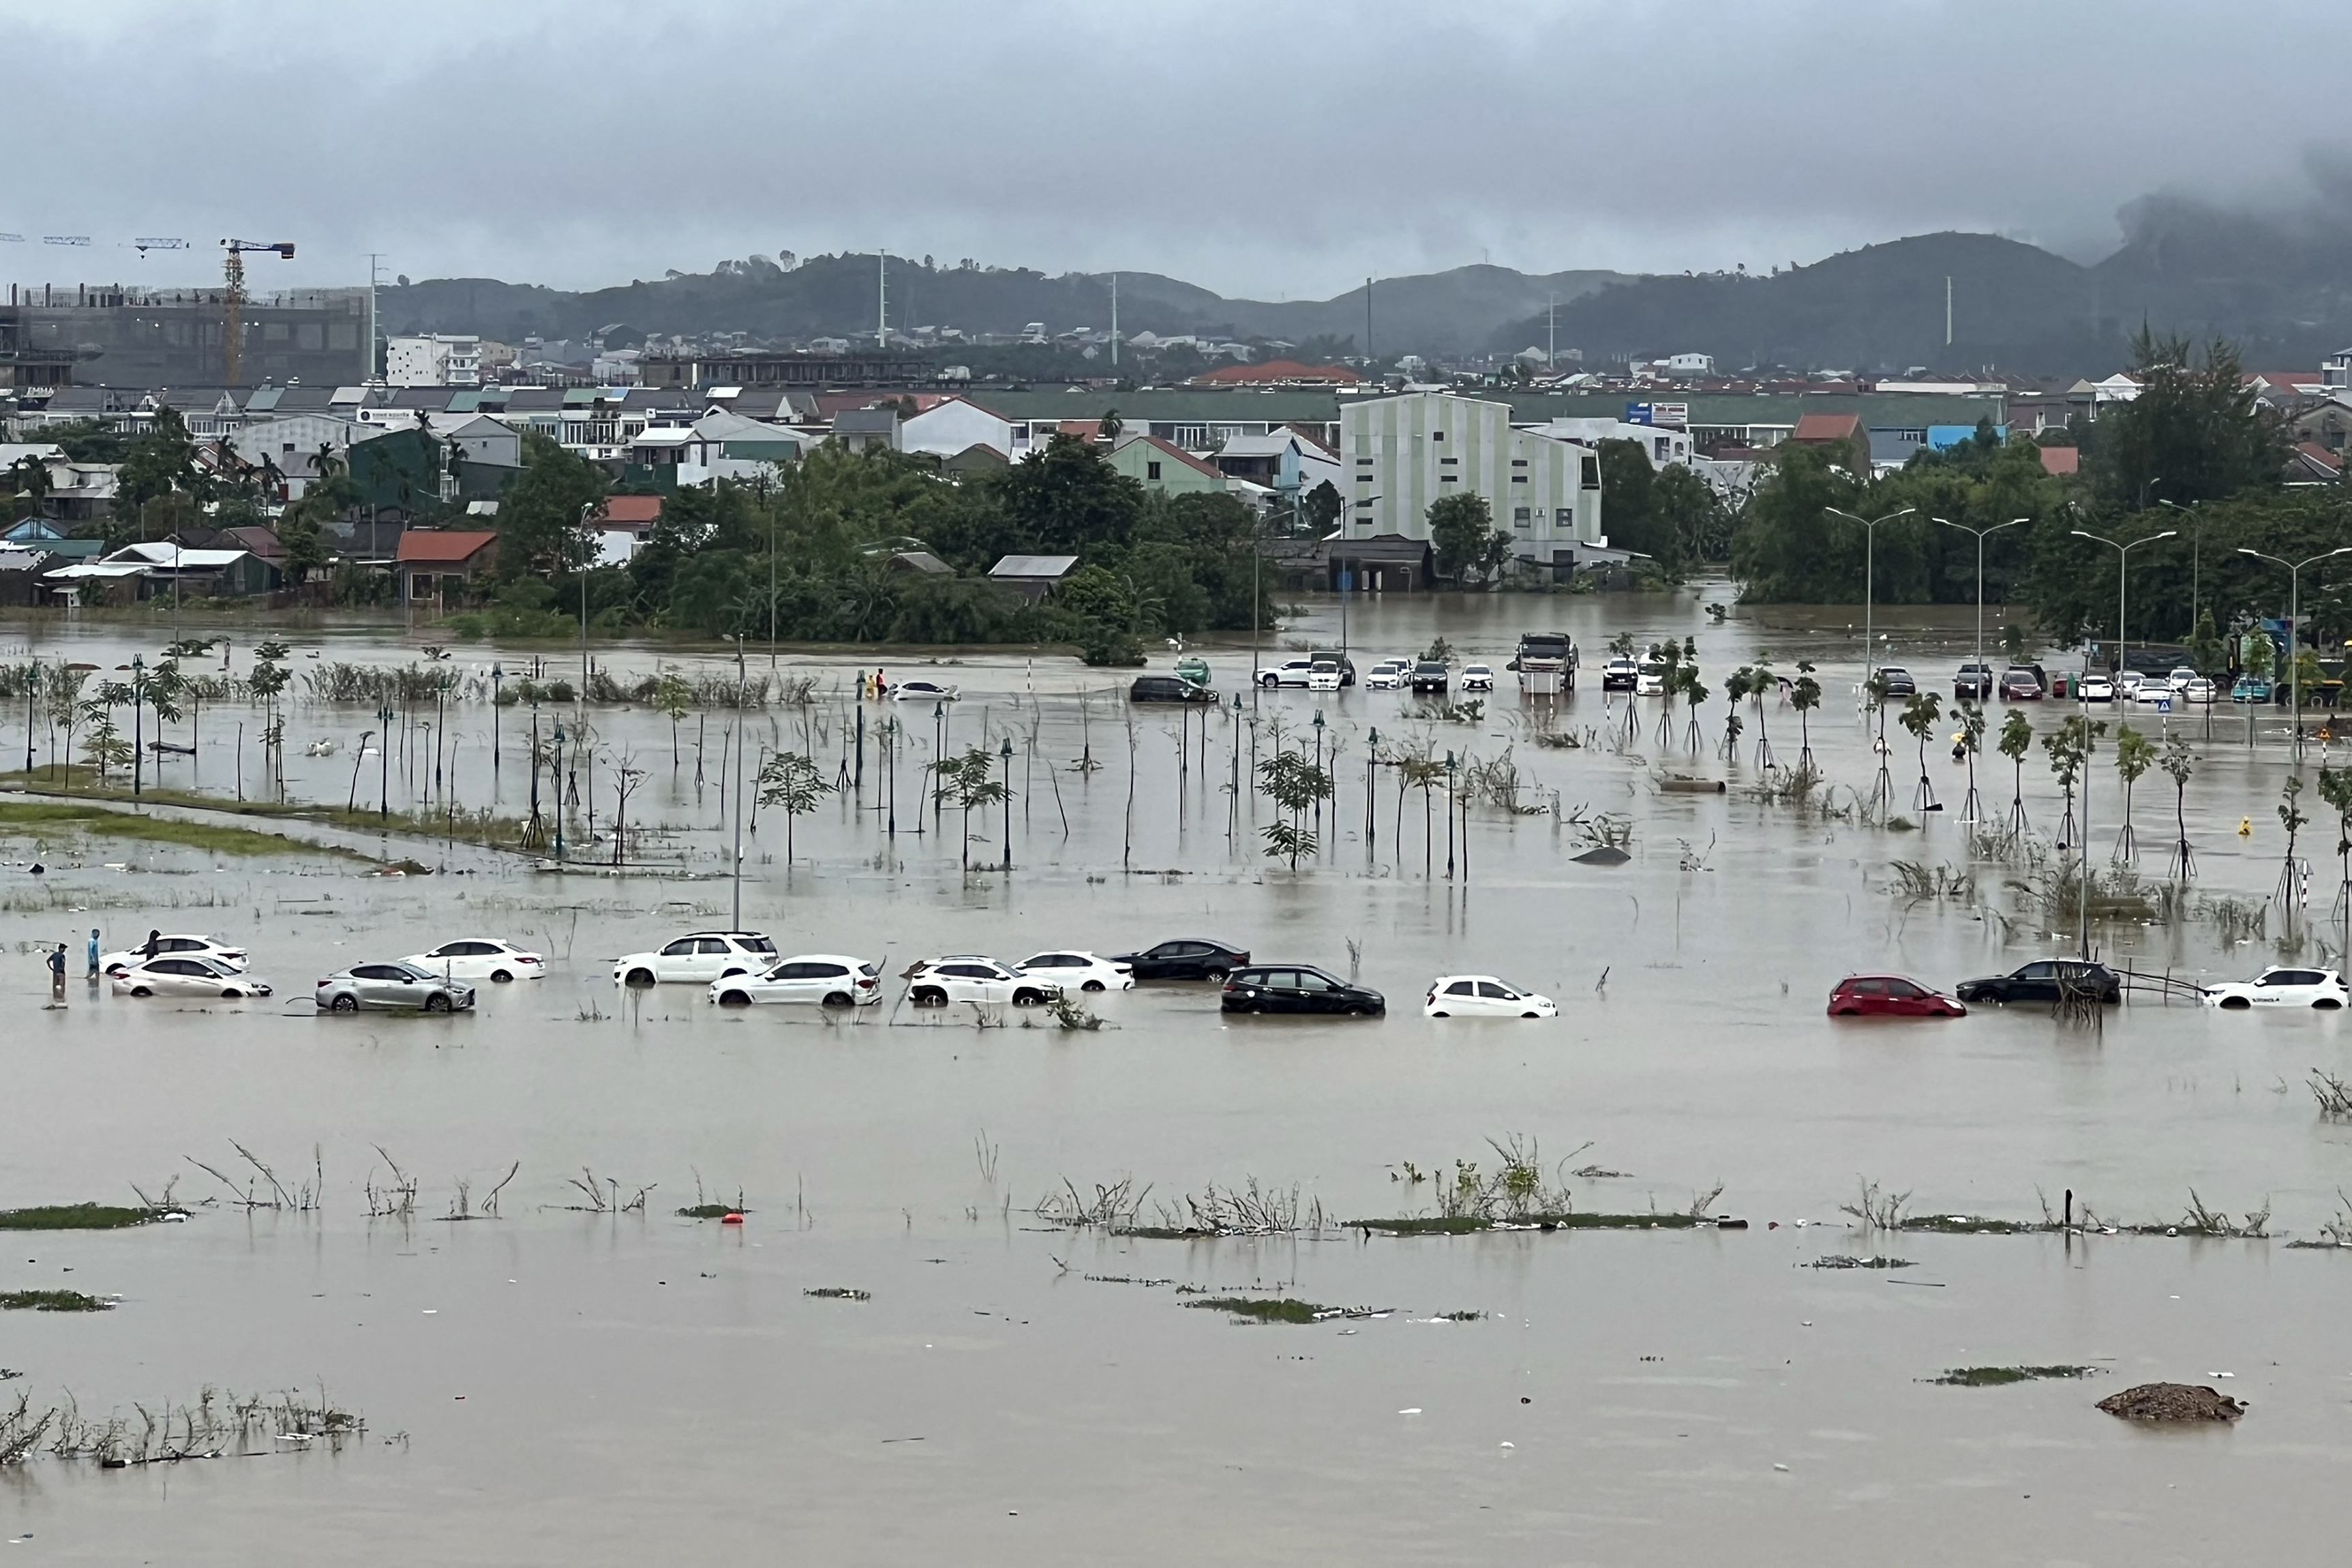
[[698, 957], [967, 977]]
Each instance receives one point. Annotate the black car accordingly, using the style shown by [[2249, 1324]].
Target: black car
[[2040, 982], [1297, 988], [1893, 681], [1168, 689], [1191, 958], [1428, 674], [1973, 683]]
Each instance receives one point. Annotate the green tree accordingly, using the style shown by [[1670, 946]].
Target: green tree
[[792, 783], [1297, 785], [1687, 517], [2193, 433], [2135, 754], [2069, 748], [1626, 483], [1460, 527], [966, 781], [161, 461], [1921, 714], [2016, 743], [1068, 496], [541, 514], [1322, 506], [1804, 696]]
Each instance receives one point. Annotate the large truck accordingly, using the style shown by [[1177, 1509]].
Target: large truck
[[1546, 663]]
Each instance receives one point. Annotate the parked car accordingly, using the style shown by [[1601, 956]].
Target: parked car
[[923, 691], [2252, 689], [2180, 677], [2281, 987], [1974, 683], [209, 947], [1429, 676], [2021, 683], [1323, 675], [1193, 669], [391, 988], [1477, 678], [969, 977], [186, 975], [698, 958], [1896, 684], [809, 979], [1079, 970], [2040, 982], [1186, 958], [1620, 675], [1297, 988], [2198, 690], [481, 958], [1301, 672], [1484, 997], [2128, 686], [1387, 676], [2097, 688], [1168, 689], [1892, 996], [1650, 678]]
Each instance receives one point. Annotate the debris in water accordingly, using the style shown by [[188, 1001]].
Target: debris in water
[[2172, 1402], [1605, 854]]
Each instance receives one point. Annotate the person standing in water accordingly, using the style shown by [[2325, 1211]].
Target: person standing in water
[[93, 953], [57, 977]]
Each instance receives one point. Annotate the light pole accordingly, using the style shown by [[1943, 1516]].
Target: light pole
[[137, 731], [737, 918], [1980, 533], [1318, 767], [587, 559], [2294, 628], [2196, 553], [1372, 783], [2123, 559], [1869, 581], [383, 765], [1006, 756], [32, 696], [557, 774], [498, 678]]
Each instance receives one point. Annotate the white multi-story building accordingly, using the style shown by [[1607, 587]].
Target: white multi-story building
[[1401, 455], [434, 359]]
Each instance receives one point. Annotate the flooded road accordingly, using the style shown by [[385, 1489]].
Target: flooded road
[[556, 1386]]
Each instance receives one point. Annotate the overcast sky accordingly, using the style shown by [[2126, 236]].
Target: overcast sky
[[1270, 149]]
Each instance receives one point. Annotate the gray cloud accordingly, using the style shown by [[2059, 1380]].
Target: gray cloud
[[1269, 149]]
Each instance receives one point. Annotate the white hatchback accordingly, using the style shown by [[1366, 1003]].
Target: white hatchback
[[1484, 997], [2280, 986], [809, 979], [208, 947], [481, 958], [1078, 971]]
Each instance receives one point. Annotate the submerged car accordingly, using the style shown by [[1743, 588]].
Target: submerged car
[[1323, 675], [2042, 981], [2279, 986], [1484, 997], [1193, 669], [698, 958], [1168, 689], [2021, 683], [1477, 678], [1620, 675], [2097, 688], [809, 979], [209, 947], [1650, 678], [1429, 677], [2252, 689], [1078, 971], [923, 691], [2198, 690], [1387, 675], [1186, 958], [1890, 996], [969, 977], [391, 988], [2180, 678], [1297, 988], [481, 958], [187, 974], [1974, 683], [1895, 681]]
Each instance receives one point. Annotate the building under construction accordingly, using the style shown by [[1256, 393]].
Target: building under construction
[[114, 335]]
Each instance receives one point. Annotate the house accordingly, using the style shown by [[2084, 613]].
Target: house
[[620, 524], [263, 542], [21, 571], [1280, 458], [1403, 454], [922, 562], [169, 565], [433, 359], [441, 562], [1842, 437], [977, 458], [2307, 462], [479, 438], [1384, 563], [1164, 467], [858, 429], [2059, 461], [955, 425], [1032, 576]]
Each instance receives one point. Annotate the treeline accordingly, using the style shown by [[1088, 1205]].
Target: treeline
[[806, 556], [2193, 455]]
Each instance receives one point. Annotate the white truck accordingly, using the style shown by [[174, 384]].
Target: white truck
[[1546, 663]]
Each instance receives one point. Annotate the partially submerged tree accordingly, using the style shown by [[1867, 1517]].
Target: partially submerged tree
[[2016, 741], [1805, 696], [2069, 748], [1920, 716], [2135, 754], [964, 783], [794, 784], [2179, 762]]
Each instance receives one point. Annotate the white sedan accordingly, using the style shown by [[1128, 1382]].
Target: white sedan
[[2198, 690], [809, 979], [209, 947], [481, 958], [2098, 688], [1484, 997], [1079, 970], [1387, 675], [968, 978], [2278, 987], [1477, 678], [187, 974], [923, 691]]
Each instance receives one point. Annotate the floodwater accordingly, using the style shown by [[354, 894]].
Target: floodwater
[[562, 1386]]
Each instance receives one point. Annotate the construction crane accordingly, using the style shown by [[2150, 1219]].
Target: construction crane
[[233, 298]]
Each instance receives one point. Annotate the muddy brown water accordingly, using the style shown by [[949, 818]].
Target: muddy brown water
[[583, 1388]]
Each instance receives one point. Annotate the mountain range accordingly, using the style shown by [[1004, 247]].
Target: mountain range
[[2280, 285]]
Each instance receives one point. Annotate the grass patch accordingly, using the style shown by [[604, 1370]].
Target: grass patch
[[77, 1216], [1266, 1309], [1466, 1224], [709, 1211], [34, 816], [1968, 1224], [2001, 1376], [840, 1293], [481, 826], [51, 1302], [1839, 1260]]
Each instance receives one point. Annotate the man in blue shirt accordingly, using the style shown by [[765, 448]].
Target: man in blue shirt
[[93, 953]]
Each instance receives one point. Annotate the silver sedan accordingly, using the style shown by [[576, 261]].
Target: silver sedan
[[391, 988]]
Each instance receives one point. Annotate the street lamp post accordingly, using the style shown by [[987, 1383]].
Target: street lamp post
[[383, 765], [497, 678], [557, 774], [1318, 767], [739, 784], [2196, 553], [587, 559], [137, 723], [2294, 628], [1347, 581], [32, 696], [1006, 756], [1869, 582], [1371, 781], [1449, 816], [1980, 533], [2123, 559]]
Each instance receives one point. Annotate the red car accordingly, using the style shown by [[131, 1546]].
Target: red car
[[1890, 996]]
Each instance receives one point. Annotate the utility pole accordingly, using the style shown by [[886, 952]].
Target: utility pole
[[375, 275], [882, 299], [1114, 321], [1947, 309], [1552, 334], [1369, 362]]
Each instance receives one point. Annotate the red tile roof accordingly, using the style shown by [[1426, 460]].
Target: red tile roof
[[631, 511], [1279, 371], [443, 546], [1826, 427], [1172, 450], [2062, 460]]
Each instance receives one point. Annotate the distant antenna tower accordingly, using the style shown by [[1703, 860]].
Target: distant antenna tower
[[1114, 321], [1947, 309], [881, 299]]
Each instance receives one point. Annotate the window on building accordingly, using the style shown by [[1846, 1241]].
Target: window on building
[[1363, 462], [1449, 460], [1449, 478], [1564, 518], [1437, 435], [1151, 470], [1518, 462], [1523, 516], [1591, 473], [1518, 479]]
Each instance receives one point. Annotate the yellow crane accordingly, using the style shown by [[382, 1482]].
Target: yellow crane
[[233, 298]]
